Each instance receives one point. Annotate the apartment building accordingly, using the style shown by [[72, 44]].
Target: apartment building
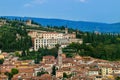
[[106, 70], [42, 43]]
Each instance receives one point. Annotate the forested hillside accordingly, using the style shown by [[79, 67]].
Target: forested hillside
[[14, 37], [102, 46]]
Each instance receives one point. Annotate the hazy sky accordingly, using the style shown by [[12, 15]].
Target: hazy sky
[[80, 10]]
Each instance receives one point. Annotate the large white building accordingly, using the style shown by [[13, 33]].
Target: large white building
[[50, 39], [48, 43]]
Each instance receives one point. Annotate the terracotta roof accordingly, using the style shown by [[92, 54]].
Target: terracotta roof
[[68, 60], [46, 77], [26, 70], [94, 69], [47, 57]]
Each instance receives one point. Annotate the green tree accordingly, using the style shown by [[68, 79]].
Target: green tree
[[41, 73], [117, 78], [67, 76], [24, 53], [14, 71], [53, 70], [10, 75], [36, 61], [17, 54], [57, 46], [1, 61]]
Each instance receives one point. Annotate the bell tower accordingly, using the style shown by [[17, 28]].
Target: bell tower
[[60, 57]]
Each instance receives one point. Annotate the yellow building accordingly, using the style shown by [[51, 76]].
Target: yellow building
[[2, 56], [106, 71], [59, 74]]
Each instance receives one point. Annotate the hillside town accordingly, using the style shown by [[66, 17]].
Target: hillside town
[[56, 68], [77, 68], [59, 40]]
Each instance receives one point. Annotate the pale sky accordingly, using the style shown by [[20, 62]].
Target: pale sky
[[79, 10]]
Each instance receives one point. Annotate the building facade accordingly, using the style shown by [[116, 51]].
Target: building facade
[[50, 39]]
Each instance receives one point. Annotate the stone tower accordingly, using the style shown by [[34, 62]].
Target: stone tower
[[66, 30], [60, 57], [29, 22]]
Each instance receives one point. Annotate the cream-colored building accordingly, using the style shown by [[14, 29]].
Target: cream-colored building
[[106, 71], [69, 36], [46, 35], [116, 70], [93, 72], [52, 35], [50, 39], [51, 43], [42, 43]]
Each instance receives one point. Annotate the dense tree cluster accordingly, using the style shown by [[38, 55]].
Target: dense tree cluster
[[1, 61], [54, 70], [13, 72], [105, 38], [66, 76], [103, 46], [14, 38], [41, 73], [37, 55], [117, 78]]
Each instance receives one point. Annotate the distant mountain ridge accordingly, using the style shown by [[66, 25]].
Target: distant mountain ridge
[[81, 25]]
